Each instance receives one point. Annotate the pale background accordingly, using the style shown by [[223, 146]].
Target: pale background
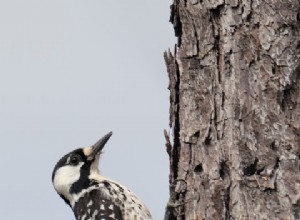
[[72, 70]]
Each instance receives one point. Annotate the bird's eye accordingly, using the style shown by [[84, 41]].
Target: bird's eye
[[75, 159]]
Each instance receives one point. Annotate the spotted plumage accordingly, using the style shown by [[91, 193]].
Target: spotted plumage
[[90, 206], [91, 196]]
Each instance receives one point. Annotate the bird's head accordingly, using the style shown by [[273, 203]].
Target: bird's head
[[72, 172]]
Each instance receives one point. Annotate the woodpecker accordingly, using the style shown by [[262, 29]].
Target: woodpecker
[[91, 196]]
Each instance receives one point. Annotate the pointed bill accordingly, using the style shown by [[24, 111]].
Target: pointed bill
[[98, 146]]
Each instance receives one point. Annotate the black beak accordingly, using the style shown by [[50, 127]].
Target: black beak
[[98, 146]]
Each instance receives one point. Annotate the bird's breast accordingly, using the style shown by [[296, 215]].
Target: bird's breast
[[110, 200]]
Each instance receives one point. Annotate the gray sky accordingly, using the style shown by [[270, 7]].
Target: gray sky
[[72, 70]]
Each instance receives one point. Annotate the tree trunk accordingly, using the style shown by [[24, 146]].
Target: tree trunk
[[234, 110]]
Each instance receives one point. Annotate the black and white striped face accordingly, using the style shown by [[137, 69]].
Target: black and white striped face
[[71, 174]]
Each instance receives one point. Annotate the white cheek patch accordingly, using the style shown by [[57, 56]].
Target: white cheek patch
[[65, 177]]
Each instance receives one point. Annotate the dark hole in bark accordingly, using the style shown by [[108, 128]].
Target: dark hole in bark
[[207, 140], [217, 11], [223, 99], [273, 145], [222, 170], [269, 191], [277, 163], [273, 69], [197, 134], [251, 169], [198, 168]]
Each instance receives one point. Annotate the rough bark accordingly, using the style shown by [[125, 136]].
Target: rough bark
[[234, 110]]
